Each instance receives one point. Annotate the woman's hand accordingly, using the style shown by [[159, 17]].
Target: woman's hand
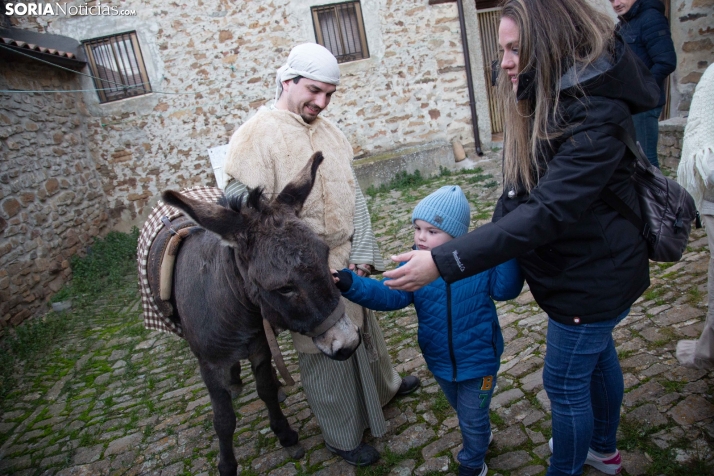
[[417, 273]]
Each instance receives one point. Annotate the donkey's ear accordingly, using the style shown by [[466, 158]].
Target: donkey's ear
[[295, 193], [222, 221]]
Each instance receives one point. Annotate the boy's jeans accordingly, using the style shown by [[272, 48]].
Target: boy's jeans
[[471, 400], [583, 379]]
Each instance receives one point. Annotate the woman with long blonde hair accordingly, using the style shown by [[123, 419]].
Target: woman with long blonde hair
[[564, 76]]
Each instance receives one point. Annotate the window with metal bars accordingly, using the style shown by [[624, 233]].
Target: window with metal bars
[[117, 66], [339, 28]]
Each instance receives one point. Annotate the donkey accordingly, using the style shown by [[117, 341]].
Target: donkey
[[253, 260]]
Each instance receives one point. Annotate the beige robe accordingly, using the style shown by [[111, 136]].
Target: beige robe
[[270, 149]]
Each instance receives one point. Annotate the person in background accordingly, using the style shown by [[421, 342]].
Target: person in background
[[564, 75], [696, 174], [267, 151], [646, 30], [459, 334]]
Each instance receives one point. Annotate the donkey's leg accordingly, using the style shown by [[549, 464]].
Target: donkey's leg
[[224, 417], [266, 384], [235, 384]]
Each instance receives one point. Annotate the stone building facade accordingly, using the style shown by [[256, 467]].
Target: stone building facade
[[692, 24], [51, 198], [212, 65], [72, 168]]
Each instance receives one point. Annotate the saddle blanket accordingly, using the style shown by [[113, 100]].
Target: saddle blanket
[[153, 318]]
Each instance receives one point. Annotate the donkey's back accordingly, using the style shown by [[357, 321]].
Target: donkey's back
[[218, 318], [251, 261]]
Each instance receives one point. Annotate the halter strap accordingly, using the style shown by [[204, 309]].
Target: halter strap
[[329, 321], [277, 355], [275, 348]]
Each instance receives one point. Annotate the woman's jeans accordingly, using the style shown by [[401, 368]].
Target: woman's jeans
[[647, 132], [583, 379], [471, 400]]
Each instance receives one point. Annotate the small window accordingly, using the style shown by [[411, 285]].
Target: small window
[[340, 29], [117, 66]]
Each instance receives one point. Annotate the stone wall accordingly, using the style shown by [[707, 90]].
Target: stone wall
[[51, 199], [692, 23], [212, 66], [72, 168], [669, 146]]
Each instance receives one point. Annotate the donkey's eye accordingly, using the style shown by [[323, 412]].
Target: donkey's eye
[[286, 290]]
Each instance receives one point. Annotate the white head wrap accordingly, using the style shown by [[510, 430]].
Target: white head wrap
[[311, 61]]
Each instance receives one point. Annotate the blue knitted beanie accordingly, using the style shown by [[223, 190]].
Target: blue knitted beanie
[[446, 209]]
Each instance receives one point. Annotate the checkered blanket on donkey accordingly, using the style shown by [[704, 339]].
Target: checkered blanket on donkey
[[153, 318]]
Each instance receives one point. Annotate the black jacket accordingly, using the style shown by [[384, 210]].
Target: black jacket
[[582, 260], [646, 30]]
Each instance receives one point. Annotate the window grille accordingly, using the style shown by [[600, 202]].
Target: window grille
[[339, 28], [117, 66]]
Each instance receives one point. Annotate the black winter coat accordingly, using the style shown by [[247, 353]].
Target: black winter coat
[[582, 260], [646, 30]]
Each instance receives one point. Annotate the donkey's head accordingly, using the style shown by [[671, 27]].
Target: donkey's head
[[284, 263]]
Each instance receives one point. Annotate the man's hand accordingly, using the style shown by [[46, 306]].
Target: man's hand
[[417, 273], [361, 269]]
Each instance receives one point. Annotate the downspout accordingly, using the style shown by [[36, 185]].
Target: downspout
[[469, 81]]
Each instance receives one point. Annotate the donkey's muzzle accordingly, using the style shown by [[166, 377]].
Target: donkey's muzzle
[[340, 340], [345, 353]]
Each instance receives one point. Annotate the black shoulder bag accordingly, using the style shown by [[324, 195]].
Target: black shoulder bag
[[667, 209]]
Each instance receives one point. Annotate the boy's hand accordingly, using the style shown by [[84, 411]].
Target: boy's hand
[[343, 280]]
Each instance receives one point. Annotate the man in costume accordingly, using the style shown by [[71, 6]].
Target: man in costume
[[267, 151]]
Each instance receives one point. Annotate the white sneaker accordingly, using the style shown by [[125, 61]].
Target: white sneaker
[[463, 471], [484, 468], [609, 465]]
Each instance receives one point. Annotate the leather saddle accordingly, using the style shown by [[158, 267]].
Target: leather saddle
[[161, 260]]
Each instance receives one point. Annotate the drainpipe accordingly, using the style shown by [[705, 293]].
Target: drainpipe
[[469, 81]]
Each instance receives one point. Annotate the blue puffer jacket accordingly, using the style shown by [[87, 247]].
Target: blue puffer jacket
[[646, 30], [459, 334]]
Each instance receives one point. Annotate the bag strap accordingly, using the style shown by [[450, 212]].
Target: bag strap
[[610, 197], [621, 134]]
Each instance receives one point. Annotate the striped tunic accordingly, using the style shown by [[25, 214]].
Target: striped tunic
[[365, 382]]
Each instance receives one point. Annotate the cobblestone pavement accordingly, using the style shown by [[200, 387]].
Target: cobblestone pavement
[[111, 398]]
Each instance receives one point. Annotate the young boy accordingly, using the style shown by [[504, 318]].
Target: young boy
[[459, 334]]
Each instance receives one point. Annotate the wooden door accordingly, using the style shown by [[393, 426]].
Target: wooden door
[[488, 20]]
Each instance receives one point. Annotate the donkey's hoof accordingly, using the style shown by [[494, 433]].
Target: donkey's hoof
[[295, 451], [281, 395]]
